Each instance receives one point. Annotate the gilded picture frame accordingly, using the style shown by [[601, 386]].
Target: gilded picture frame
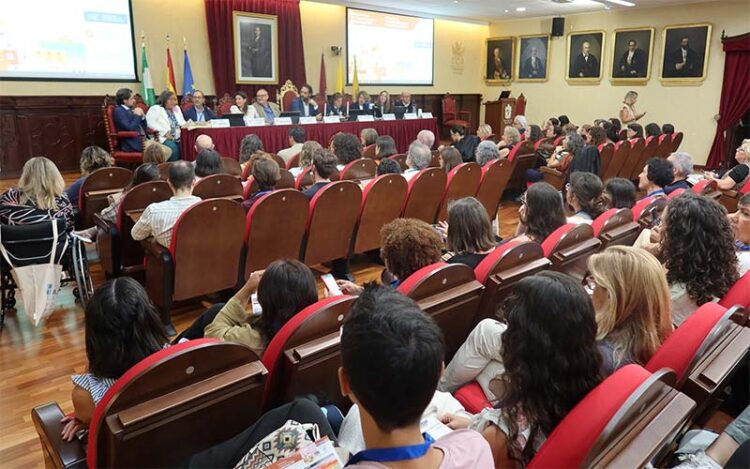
[[694, 58], [636, 68], [256, 48], [525, 70], [499, 59], [579, 70]]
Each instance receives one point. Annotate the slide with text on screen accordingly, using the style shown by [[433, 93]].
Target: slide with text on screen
[[390, 49], [67, 39]]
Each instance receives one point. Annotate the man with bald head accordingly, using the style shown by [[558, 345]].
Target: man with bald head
[[203, 142], [426, 138], [406, 102], [266, 109], [585, 65]]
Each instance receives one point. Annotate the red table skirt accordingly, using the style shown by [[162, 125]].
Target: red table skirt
[[276, 137]]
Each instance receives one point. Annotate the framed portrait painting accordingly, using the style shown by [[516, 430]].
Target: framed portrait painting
[[499, 57], [256, 48], [533, 58], [632, 50], [584, 57], [685, 53]]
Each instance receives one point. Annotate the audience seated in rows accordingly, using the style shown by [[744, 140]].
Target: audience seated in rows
[[540, 214], [740, 221], [612, 132], [487, 152], [538, 365], [427, 138], [620, 192], [208, 163], [385, 146], [368, 136], [158, 219], [39, 196], [449, 158], [468, 232], [682, 167], [166, 118], [520, 123], [484, 132], [324, 165], [656, 175], [146, 172], [296, 139], [585, 195], [560, 159], [92, 158], [347, 148], [736, 177], [156, 153], [652, 130], [511, 138], [418, 158], [534, 134], [388, 166], [587, 159], [266, 174], [306, 156], [667, 129], [250, 145], [122, 328], [634, 131]]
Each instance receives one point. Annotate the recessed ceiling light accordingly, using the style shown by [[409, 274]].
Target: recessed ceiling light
[[506, 11], [455, 2], [521, 9], [624, 3]]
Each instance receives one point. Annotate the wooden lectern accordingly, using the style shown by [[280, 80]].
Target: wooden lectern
[[498, 114]]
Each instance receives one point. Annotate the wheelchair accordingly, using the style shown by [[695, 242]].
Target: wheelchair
[[31, 244]]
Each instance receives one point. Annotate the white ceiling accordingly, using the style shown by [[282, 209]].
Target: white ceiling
[[498, 10]]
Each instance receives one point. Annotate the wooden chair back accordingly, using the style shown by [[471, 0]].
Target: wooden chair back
[[92, 196], [634, 158], [676, 141], [664, 148], [231, 167], [163, 171], [286, 181], [358, 170], [287, 94], [523, 156], [279, 160], [304, 179], [330, 224], [274, 229], [495, 177], [218, 186], [369, 152], [450, 294], [463, 181], [606, 153], [569, 248], [646, 211], [620, 154], [400, 158], [382, 201], [616, 227], [424, 195], [649, 151], [293, 162]]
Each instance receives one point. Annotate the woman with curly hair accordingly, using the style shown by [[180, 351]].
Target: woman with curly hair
[[92, 158], [548, 362], [347, 148], [697, 247], [248, 147], [540, 214]]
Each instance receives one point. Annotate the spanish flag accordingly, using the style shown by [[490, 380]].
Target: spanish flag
[[170, 74]]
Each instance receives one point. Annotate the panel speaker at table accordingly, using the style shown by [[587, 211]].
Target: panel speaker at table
[[256, 52]]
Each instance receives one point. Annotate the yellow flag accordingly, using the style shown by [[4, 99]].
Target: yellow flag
[[355, 79], [340, 76]]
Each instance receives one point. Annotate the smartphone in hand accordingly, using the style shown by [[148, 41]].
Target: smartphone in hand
[[331, 286]]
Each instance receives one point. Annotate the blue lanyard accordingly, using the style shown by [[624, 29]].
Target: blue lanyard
[[401, 453]]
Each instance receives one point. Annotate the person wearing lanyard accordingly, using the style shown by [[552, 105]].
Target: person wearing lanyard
[[657, 174]]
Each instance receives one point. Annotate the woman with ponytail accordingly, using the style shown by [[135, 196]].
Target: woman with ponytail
[[585, 195]]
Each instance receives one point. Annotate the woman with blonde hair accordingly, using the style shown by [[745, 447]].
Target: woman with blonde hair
[[632, 303], [737, 176], [628, 114], [92, 158], [511, 137], [39, 196], [484, 132], [309, 149]]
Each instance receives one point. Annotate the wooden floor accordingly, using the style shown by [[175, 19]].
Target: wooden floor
[[36, 363]]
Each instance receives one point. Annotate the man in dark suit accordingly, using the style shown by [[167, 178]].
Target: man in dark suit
[[684, 62], [198, 112], [128, 119], [633, 63], [406, 102], [585, 65], [305, 105], [260, 54], [533, 66]]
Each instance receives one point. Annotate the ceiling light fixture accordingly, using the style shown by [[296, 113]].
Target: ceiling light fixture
[[624, 3], [521, 9]]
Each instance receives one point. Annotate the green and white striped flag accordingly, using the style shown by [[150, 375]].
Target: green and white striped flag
[[149, 97]]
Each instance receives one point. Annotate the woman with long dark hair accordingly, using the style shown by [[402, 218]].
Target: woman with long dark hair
[[468, 232], [585, 194], [540, 214]]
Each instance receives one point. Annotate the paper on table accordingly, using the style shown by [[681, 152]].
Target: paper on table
[[332, 119], [219, 123], [307, 120], [282, 121], [411, 116], [389, 117], [426, 115]]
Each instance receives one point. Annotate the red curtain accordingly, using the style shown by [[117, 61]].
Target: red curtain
[[735, 93], [221, 42]]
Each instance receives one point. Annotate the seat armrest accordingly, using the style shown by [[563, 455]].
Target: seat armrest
[[126, 134], [104, 225], [159, 272], [464, 113], [550, 171], [62, 454]]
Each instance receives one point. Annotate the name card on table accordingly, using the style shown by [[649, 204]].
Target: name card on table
[[365, 118], [426, 115], [219, 123], [256, 122], [332, 119], [282, 121], [411, 116], [389, 117], [307, 120]]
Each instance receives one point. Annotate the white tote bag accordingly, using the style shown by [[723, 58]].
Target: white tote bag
[[39, 283]]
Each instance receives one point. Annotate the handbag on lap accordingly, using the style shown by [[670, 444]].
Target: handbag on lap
[[279, 444]]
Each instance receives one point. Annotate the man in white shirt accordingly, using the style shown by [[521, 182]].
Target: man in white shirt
[[159, 218], [296, 140], [417, 158]]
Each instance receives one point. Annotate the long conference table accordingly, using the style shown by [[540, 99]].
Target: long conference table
[[276, 137]]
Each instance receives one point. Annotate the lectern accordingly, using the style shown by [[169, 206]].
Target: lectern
[[499, 113]]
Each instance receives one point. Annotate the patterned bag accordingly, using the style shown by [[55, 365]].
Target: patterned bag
[[279, 444]]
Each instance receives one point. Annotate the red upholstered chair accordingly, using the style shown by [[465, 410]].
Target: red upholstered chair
[[676, 193], [463, 181], [400, 158], [569, 248], [92, 196], [616, 227], [435, 161], [279, 160], [450, 294], [286, 180], [178, 401], [218, 186], [495, 177], [634, 158], [606, 153], [739, 294], [424, 194], [189, 268], [664, 148], [249, 188], [559, 140], [287, 94], [382, 201], [369, 152], [626, 421], [523, 156], [274, 229], [304, 356], [647, 209], [705, 186], [502, 269], [676, 141], [231, 167], [521, 105], [293, 162], [330, 223], [620, 154], [304, 179], [186, 103], [118, 251], [624, 134], [649, 151], [359, 170], [704, 352], [163, 171], [113, 136], [225, 104], [472, 397], [453, 116], [731, 198]]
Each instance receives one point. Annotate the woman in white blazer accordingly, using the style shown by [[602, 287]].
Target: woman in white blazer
[[166, 118], [244, 107]]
